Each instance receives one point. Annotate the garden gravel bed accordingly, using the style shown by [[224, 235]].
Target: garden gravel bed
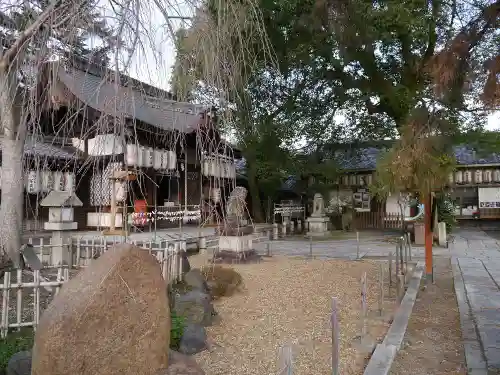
[[288, 301]]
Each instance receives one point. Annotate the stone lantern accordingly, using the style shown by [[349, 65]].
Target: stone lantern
[[61, 222]]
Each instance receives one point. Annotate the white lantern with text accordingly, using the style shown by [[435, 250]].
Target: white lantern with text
[[34, 185], [459, 177], [141, 154], [120, 191], [496, 175], [164, 159], [487, 175], [132, 155], [47, 181], [172, 160], [149, 157], [205, 166], [467, 177], [157, 156], [58, 181], [478, 176], [69, 182]]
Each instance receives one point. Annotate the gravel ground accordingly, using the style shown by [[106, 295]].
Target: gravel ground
[[288, 301], [433, 340]]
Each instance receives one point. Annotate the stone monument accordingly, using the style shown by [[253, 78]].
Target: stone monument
[[318, 221], [235, 241], [112, 318]]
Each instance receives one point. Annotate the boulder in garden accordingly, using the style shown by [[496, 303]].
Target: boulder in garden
[[194, 279], [112, 318], [19, 364], [180, 364], [195, 307], [193, 340]]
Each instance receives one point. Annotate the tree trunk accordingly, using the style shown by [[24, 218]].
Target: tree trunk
[[254, 193], [12, 192]]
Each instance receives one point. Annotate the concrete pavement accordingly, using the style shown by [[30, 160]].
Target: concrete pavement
[[476, 267]]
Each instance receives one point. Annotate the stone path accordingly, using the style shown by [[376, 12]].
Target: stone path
[[476, 266]]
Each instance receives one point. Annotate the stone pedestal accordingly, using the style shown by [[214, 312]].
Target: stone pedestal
[[318, 226], [61, 248], [419, 233], [236, 248]]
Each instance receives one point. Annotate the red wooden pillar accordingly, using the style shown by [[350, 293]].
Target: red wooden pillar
[[428, 236]]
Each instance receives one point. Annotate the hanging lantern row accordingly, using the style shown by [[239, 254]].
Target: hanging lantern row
[[148, 157], [356, 180], [36, 182], [218, 166], [478, 176]]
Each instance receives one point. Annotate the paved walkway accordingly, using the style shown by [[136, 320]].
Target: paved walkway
[[476, 266]]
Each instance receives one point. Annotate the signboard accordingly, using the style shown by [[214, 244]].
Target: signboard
[[489, 197]]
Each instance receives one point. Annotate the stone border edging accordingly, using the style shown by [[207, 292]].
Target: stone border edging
[[381, 360], [476, 364]]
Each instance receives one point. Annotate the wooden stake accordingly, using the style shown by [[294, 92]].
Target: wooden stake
[[335, 338], [381, 295], [428, 236], [363, 306], [390, 270]]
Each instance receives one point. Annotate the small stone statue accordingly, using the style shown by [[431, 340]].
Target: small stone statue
[[235, 213], [318, 206]]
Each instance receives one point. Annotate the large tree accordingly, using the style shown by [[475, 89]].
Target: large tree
[[32, 33]]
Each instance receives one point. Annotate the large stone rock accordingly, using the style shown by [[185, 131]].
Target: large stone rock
[[195, 307], [180, 364], [193, 340], [111, 319], [19, 364]]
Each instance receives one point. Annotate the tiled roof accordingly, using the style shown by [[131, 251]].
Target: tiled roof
[[46, 150], [118, 100]]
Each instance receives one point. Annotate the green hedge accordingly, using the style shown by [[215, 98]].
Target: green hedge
[[15, 342]]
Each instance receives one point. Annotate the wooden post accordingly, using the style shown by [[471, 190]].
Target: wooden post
[[428, 237], [363, 307], [381, 291], [310, 246], [390, 270], [335, 338], [357, 244]]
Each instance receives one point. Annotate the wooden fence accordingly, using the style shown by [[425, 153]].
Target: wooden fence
[[376, 220], [25, 294]]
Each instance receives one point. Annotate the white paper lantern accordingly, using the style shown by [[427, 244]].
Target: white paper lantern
[[58, 181], [459, 177], [487, 175], [164, 159], [47, 181], [69, 182], [467, 177], [149, 157], [496, 175], [478, 176], [141, 155], [451, 178], [345, 180], [215, 194], [353, 179], [212, 167], [34, 185], [132, 154], [157, 157], [369, 179], [172, 160], [204, 166], [120, 191], [224, 169]]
